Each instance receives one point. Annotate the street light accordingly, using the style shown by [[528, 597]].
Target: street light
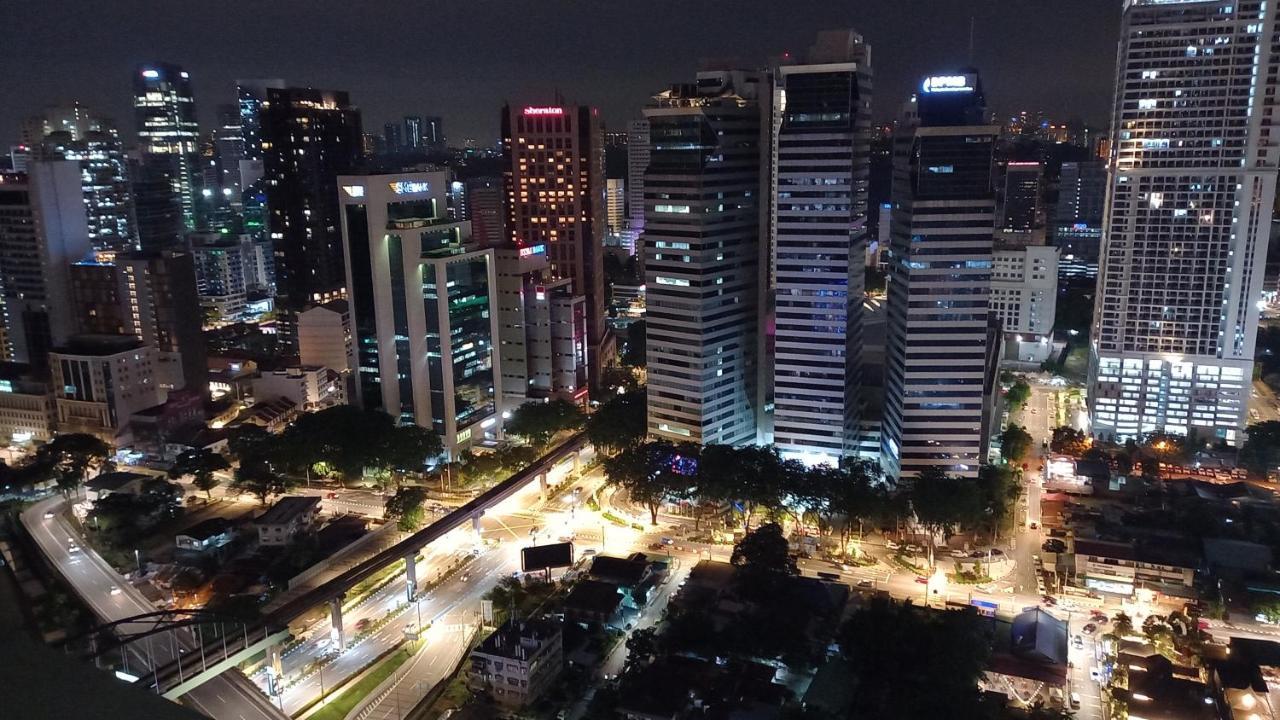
[[138, 557]]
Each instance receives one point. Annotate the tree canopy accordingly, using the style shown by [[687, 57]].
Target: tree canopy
[[200, 464], [536, 421], [1069, 441], [256, 477], [619, 423], [1019, 393], [69, 458], [1261, 451], [1015, 443], [406, 507]]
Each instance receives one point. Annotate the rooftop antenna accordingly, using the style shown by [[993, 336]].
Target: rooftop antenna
[[971, 24]]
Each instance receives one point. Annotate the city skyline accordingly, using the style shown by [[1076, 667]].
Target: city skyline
[[486, 58]]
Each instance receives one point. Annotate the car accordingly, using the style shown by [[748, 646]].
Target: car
[[667, 541], [656, 546], [1049, 600], [891, 545], [1090, 628], [1078, 642], [48, 515], [331, 495], [115, 589], [362, 624], [959, 554], [466, 576], [866, 584], [922, 580], [577, 490], [1095, 674], [73, 548], [1075, 701], [997, 551]]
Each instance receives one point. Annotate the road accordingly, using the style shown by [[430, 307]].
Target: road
[[229, 697]]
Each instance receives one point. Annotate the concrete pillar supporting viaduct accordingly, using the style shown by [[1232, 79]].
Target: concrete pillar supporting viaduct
[[335, 617]]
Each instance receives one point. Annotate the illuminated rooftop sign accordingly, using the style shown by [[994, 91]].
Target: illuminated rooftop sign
[[151, 74], [355, 191], [405, 187], [948, 83], [533, 250], [543, 110]]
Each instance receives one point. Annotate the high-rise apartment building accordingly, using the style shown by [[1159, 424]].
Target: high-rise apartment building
[[1021, 196], [250, 95], [484, 202], [309, 137], [433, 139], [638, 152], [73, 133], [226, 270], [822, 171], [168, 138], [151, 295], [1077, 221], [412, 132], [615, 202], [706, 207], [423, 305], [941, 351], [554, 180], [542, 329], [1193, 182], [43, 229]]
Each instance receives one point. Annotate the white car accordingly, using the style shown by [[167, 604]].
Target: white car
[[1095, 675], [48, 515], [73, 548], [115, 589]]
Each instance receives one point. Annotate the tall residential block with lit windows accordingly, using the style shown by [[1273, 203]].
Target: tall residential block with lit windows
[[942, 348], [554, 179], [823, 166], [309, 137], [706, 206], [168, 138], [1193, 180], [423, 305]]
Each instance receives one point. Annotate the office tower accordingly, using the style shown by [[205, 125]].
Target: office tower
[[226, 268], [542, 329], [554, 177], [74, 133], [484, 201], [637, 162], [1193, 181], [433, 133], [423, 307], [1077, 224], [706, 190], [1021, 196], [823, 156], [413, 133], [250, 95], [615, 201], [459, 208], [153, 296], [1024, 296], [157, 210], [309, 137], [43, 229], [940, 351], [391, 137], [100, 382], [229, 152], [167, 138]]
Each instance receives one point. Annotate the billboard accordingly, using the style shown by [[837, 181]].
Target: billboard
[[544, 557]]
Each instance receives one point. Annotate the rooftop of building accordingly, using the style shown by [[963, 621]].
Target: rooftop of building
[[99, 345], [288, 509], [594, 596], [208, 528], [111, 481], [628, 571], [519, 639]]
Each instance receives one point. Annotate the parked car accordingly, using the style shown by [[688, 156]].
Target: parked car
[[922, 580], [959, 553], [866, 584], [1049, 600], [1078, 642], [891, 545], [1095, 674], [1075, 701]]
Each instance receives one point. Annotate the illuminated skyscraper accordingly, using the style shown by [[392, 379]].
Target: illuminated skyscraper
[[554, 181], [942, 350], [168, 139], [823, 157], [1193, 182], [706, 210], [309, 137]]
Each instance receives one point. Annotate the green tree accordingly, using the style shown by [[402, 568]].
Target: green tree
[[1069, 441], [200, 464], [257, 478], [69, 458], [637, 337], [764, 549], [943, 503], [1261, 451], [620, 422], [998, 491], [536, 421], [1019, 393], [1015, 443], [910, 663], [406, 507], [407, 449], [651, 472]]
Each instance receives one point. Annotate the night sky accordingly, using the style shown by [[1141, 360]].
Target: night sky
[[462, 58]]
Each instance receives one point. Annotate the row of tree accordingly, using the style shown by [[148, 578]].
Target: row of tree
[[721, 480]]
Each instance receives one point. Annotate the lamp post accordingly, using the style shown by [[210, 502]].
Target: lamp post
[[137, 556]]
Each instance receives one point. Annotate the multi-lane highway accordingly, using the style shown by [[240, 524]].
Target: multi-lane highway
[[229, 697]]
